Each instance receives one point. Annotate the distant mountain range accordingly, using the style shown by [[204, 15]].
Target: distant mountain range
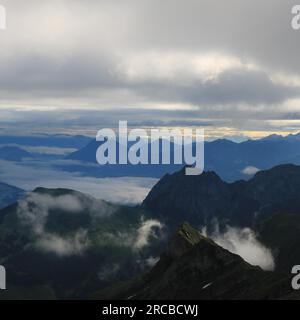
[[231, 161], [14, 154], [9, 194], [62, 141], [41, 147], [88, 154]]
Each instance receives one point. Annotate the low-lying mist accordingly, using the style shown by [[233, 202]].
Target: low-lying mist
[[244, 243]]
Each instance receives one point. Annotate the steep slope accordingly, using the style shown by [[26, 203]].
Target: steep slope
[[9, 194], [14, 153], [194, 267], [61, 243], [281, 232], [202, 199]]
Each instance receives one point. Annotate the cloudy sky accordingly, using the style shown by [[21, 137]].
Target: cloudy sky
[[229, 66]]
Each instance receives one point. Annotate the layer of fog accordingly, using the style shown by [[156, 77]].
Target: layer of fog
[[137, 239], [30, 175], [250, 170], [64, 246], [34, 210]]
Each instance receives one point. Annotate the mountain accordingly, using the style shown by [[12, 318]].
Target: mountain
[[281, 233], [88, 154], [202, 199], [269, 204], [59, 243], [9, 194], [194, 267], [14, 154], [231, 161], [61, 141], [52, 236]]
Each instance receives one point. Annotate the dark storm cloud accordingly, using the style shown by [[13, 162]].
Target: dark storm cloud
[[231, 87], [43, 76], [255, 29]]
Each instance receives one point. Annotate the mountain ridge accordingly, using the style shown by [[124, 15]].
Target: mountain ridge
[[201, 199], [228, 159], [200, 270], [9, 194]]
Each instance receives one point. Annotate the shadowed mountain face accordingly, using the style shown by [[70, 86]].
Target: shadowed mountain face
[[59, 243], [9, 194], [194, 267], [204, 198], [53, 236], [269, 204], [14, 154], [230, 160], [281, 232]]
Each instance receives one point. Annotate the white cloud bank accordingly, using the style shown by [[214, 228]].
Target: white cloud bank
[[71, 245], [146, 232], [33, 211], [250, 170], [244, 243], [108, 55], [125, 190]]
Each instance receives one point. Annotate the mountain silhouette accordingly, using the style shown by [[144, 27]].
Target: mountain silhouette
[[194, 267], [202, 199], [230, 160]]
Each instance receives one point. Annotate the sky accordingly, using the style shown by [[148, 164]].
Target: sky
[[231, 66]]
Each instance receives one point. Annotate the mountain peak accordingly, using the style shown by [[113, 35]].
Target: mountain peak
[[272, 137], [13, 153], [184, 239], [182, 196], [187, 232], [55, 192]]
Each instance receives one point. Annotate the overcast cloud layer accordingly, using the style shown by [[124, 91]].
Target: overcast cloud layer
[[232, 66]]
